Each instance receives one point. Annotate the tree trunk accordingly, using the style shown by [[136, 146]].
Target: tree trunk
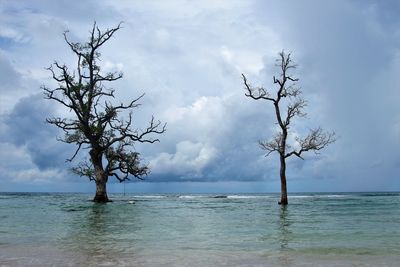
[[100, 178], [101, 192], [284, 197]]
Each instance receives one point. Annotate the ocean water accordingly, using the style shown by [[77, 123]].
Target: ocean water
[[335, 229]]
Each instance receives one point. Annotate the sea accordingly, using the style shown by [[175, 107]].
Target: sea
[[315, 229]]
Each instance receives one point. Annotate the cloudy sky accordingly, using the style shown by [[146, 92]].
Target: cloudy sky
[[187, 57]]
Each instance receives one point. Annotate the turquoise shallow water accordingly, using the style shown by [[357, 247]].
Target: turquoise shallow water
[[352, 229]]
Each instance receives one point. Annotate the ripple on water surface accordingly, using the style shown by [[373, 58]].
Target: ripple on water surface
[[158, 229]]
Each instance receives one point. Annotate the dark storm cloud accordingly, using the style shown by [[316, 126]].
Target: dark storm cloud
[[26, 126], [188, 60]]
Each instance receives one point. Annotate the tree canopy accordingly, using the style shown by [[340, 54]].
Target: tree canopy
[[97, 123]]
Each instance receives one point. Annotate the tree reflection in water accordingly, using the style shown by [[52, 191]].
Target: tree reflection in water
[[103, 233], [284, 237], [284, 228]]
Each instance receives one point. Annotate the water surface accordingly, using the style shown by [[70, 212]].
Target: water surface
[[354, 229]]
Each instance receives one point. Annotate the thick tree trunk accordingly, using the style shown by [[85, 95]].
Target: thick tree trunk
[[284, 197], [101, 192], [100, 178]]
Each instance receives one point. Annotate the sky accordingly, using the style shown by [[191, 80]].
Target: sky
[[187, 57]]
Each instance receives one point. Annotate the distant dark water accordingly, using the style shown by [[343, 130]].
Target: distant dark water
[[316, 229]]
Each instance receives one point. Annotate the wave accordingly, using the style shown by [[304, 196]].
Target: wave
[[149, 196], [380, 194], [246, 196], [305, 196], [193, 196], [334, 196], [223, 196], [320, 196], [220, 196], [249, 196]]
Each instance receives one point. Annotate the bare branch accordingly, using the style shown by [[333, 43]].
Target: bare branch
[[105, 36], [50, 94], [316, 140], [285, 62], [136, 136], [273, 145], [76, 152], [291, 91], [256, 93], [85, 169], [295, 109], [294, 105], [109, 77], [124, 163]]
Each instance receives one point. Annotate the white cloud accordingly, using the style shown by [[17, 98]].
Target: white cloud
[[109, 66], [18, 167], [206, 113], [187, 57], [188, 161], [35, 175], [13, 34]]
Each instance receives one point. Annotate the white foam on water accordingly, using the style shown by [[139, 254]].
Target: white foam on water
[[300, 196], [192, 196]]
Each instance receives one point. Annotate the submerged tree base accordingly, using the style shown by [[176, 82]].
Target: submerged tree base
[[283, 201], [101, 199]]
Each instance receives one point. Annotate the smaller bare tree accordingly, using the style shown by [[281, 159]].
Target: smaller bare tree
[[285, 112], [96, 123]]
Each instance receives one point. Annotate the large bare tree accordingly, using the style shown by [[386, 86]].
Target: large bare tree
[[96, 122], [285, 112]]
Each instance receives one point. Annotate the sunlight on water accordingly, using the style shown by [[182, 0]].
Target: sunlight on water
[[199, 230]]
